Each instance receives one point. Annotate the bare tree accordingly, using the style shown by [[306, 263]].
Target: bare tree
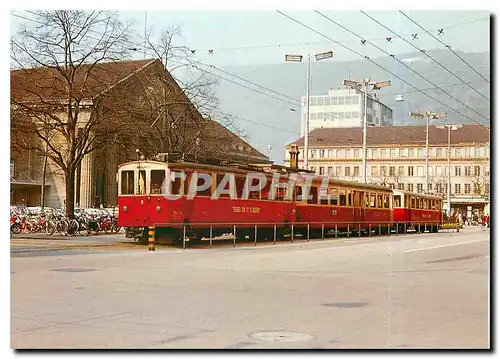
[[59, 83], [180, 111]]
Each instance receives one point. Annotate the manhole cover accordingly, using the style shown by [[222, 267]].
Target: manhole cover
[[281, 337], [346, 305], [73, 270]]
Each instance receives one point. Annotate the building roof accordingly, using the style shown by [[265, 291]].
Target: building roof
[[47, 84], [395, 136]]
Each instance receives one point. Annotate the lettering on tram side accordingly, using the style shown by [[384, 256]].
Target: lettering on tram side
[[280, 186], [237, 209]]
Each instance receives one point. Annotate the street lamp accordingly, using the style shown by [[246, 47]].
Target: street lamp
[[450, 128], [428, 115], [298, 58], [366, 84]]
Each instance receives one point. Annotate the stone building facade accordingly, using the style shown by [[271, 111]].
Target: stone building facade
[[396, 158], [124, 92]]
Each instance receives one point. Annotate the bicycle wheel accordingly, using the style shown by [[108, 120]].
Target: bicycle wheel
[[50, 228], [61, 227], [15, 228], [72, 227]]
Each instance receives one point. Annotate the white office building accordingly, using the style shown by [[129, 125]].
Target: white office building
[[344, 108]]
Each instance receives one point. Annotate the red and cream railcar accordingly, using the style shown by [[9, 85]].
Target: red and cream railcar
[[345, 205], [413, 209], [142, 202]]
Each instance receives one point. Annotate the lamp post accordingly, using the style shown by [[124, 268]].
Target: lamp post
[[428, 115], [450, 128], [366, 84], [298, 58]]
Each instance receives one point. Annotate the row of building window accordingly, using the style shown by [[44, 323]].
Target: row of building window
[[437, 152], [400, 171], [333, 115], [442, 188], [332, 100]]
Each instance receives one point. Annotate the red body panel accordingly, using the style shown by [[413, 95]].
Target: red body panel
[[200, 211], [416, 215], [311, 214], [401, 215]]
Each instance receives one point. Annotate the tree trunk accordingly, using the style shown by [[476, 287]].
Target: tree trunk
[[44, 174], [70, 193]]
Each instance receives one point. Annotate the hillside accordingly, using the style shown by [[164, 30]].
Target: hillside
[[290, 79]]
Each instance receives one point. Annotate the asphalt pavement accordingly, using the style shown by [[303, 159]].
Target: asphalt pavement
[[408, 291]]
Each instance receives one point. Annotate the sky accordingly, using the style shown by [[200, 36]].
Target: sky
[[227, 32], [265, 36], [252, 37]]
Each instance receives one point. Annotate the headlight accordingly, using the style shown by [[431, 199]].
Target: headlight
[[158, 208], [124, 208]]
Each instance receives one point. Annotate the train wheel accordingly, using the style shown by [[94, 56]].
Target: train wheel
[[283, 233], [170, 236], [265, 234], [142, 238]]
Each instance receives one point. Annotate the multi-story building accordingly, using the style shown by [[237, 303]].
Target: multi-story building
[[396, 158], [344, 108]]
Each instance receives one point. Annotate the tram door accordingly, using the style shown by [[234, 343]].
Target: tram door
[[357, 205]]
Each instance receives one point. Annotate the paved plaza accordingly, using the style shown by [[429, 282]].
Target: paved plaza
[[408, 291]]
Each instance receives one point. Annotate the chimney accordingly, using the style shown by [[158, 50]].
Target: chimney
[[294, 156]]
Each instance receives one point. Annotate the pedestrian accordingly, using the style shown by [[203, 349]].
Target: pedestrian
[[485, 222]]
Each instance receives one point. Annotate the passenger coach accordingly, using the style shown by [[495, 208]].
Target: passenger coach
[[281, 203]]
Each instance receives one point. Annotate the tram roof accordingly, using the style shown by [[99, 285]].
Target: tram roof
[[245, 169], [429, 196]]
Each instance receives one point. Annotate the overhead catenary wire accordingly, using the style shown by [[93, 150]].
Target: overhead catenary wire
[[378, 65], [256, 47], [417, 90], [296, 101], [404, 64], [426, 54], [424, 89], [251, 82], [250, 88], [447, 46]]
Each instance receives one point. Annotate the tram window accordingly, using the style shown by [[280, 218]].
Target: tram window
[[298, 193], [176, 185], [397, 201], [420, 203], [372, 200], [367, 200], [187, 180], [142, 182], [334, 196], [201, 182], [240, 185], [413, 202], [264, 193], [342, 197], [313, 193], [280, 194], [323, 196], [426, 205], [379, 201], [349, 198], [157, 178], [386, 201], [127, 182]]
